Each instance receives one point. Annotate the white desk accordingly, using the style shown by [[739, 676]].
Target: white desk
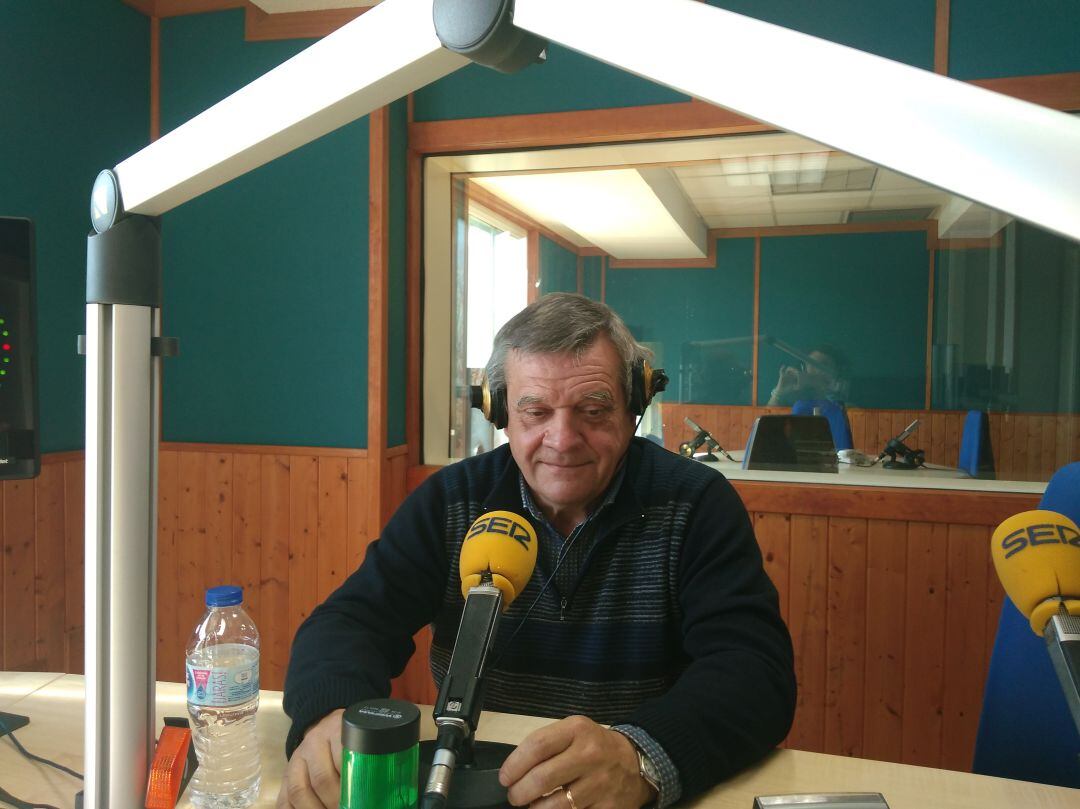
[[54, 704], [878, 475]]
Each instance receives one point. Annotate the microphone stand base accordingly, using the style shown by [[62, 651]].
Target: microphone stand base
[[474, 785]]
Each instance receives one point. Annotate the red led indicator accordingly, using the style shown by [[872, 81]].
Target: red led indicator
[[7, 346]]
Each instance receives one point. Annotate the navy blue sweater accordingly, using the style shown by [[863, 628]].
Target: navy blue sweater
[[661, 616]]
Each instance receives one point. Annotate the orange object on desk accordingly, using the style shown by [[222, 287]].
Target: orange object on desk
[[167, 768]]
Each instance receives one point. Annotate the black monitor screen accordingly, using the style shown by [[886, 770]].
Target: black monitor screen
[[791, 444], [19, 445]]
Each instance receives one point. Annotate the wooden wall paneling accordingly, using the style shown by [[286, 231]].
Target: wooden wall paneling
[[274, 527], [303, 570], [358, 536], [846, 637], [1048, 458], [247, 531], [1003, 447], [965, 648], [333, 547], [219, 521], [807, 621], [886, 590], [74, 576], [171, 637], [19, 627], [49, 579], [995, 598], [1034, 433], [773, 532], [924, 672], [192, 552]]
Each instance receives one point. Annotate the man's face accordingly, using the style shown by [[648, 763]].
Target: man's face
[[568, 424]]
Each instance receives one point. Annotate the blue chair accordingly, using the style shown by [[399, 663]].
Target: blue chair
[[834, 412], [1026, 730], [976, 454]]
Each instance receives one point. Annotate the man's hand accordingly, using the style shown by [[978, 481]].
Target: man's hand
[[789, 378], [312, 778], [600, 767]]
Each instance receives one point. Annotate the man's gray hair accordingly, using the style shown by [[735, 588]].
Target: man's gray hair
[[563, 323]]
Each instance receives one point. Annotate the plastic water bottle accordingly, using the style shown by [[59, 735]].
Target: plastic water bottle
[[222, 697]]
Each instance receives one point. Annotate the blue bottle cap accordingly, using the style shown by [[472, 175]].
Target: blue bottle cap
[[227, 595]]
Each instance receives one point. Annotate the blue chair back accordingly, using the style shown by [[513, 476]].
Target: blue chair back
[[1026, 730], [976, 454], [834, 412]]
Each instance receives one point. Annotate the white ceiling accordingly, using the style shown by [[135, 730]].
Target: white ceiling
[[594, 196]]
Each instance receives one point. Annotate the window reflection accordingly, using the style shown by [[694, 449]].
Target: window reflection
[[823, 279]]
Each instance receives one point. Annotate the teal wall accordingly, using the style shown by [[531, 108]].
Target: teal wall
[[75, 99], [567, 81], [865, 294], [671, 308], [558, 268], [994, 38], [591, 270], [265, 277], [900, 31]]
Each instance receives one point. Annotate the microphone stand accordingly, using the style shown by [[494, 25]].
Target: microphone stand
[[455, 754]]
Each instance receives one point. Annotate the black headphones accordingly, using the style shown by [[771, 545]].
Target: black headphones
[[645, 383]]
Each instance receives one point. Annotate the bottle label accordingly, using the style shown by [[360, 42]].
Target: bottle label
[[221, 687]]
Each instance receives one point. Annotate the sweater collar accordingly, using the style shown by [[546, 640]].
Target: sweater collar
[[625, 504]]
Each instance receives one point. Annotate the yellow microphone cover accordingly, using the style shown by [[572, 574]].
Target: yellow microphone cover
[[503, 543], [1037, 557]]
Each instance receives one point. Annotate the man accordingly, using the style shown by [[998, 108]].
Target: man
[[820, 378], [659, 619]]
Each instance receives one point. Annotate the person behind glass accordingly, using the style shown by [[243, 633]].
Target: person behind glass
[[822, 378], [660, 621]]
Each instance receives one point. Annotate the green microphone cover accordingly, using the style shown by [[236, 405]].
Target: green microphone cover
[[380, 755]]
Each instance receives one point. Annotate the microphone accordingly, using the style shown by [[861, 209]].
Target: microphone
[[687, 448], [910, 458], [496, 562], [1037, 558]]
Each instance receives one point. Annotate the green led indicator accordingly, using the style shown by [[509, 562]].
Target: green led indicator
[[3, 372], [6, 332], [7, 359]]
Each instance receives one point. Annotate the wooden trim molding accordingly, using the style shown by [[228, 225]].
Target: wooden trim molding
[[880, 503], [685, 119], [651, 122], [757, 322], [1059, 91], [253, 449], [941, 37], [532, 263], [155, 78], [178, 8], [708, 263], [413, 317], [378, 314], [261, 27]]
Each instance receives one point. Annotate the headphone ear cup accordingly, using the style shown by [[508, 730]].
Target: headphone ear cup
[[638, 395], [499, 415]]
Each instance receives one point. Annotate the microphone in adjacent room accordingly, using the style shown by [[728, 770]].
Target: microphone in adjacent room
[[1037, 557], [496, 562], [900, 455], [688, 448]]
